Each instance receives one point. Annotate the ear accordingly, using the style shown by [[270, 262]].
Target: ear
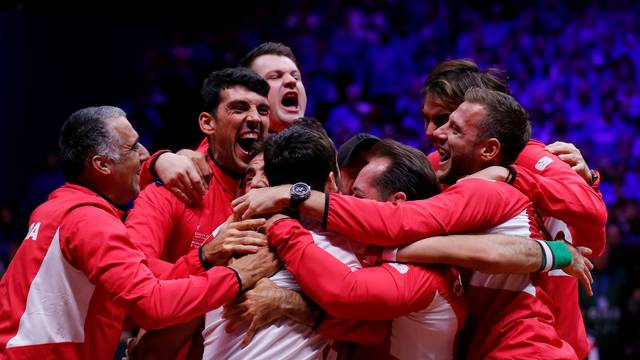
[[398, 197], [490, 150], [331, 185], [101, 164], [207, 123]]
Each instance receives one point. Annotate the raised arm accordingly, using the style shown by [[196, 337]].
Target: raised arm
[[556, 189], [185, 174]]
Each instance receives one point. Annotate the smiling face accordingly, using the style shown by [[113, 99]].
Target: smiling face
[[241, 119], [458, 143], [125, 172], [287, 95]]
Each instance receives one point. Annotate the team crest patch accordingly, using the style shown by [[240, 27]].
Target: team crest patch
[[543, 163]]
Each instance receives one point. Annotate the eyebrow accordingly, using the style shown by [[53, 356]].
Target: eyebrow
[[235, 103]]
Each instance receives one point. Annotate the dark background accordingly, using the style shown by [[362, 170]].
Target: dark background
[[574, 65]]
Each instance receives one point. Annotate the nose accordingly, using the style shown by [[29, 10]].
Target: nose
[[143, 152], [289, 81], [440, 135], [253, 118]]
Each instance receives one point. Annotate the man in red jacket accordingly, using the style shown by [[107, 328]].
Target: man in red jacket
[[76, 273], [570, 209], [276, 63], [508, 319]]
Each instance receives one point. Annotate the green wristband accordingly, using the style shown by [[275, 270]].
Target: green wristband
[[561, 254]]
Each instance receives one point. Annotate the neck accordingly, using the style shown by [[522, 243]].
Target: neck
[[224, 169]]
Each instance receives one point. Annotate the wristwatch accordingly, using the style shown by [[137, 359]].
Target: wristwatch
[[299, 193]]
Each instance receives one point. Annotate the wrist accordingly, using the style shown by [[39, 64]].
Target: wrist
[[152, 164], [555, 255], [206, 264], [239, 278]]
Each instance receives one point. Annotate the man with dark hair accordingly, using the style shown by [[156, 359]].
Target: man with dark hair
[[235, 116], [501, 128], [426, 303], [312, 159], [76, 273], [570, 208], [352, 157], [276, 63], [187, 176], [507, 319], [393, 183], [288, 156]]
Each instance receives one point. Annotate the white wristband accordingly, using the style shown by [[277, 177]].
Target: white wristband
[[390, 254], [548, 255]]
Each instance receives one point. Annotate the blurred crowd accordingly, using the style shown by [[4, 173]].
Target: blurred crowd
[[574, 65]]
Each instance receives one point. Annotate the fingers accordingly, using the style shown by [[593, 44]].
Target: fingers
[[184, 183], [249, 224], [239, 200], [235, 315], [253, 328], [584, 251], [196, 181], [560, 147], [589, 264], [243, 249], [203, 168], [240, 208], [586, 282], [571, 159]]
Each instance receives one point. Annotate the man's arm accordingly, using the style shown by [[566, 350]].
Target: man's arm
[[493, 253], [488, 253], [468, 206], [152, 222], [186, 174], [375, 293], [96, 243], [560, 192]]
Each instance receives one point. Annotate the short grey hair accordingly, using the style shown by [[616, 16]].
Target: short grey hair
[[86, 133]]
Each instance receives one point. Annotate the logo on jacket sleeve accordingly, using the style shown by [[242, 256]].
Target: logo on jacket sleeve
[[543, 163], [33, 231]]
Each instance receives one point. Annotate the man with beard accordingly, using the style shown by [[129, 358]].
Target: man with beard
[[77, 272], [507, 318]]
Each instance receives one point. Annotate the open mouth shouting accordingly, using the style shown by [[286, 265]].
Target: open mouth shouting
[[245, 142], [290, 102]]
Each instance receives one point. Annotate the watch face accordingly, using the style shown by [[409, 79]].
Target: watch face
[[300, 189]]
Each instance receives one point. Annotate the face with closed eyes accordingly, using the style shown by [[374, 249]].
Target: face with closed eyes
[[287, 95]]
